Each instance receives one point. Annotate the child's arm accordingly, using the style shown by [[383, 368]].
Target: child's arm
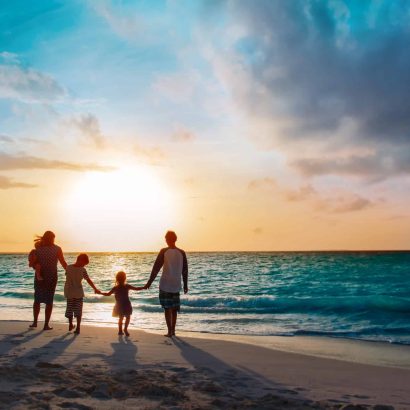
[[108, 293], [136, 287], [91, 283]]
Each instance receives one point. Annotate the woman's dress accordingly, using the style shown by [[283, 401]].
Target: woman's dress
[[47, 257]]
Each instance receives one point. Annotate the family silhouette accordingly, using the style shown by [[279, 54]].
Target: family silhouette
[[46, 255]]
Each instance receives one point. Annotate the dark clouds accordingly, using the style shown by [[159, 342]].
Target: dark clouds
[[318, 64]]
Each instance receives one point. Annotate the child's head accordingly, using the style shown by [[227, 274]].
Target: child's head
[[82, 259], [120, 278]]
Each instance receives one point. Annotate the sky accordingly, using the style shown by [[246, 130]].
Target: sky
[[242, 125]]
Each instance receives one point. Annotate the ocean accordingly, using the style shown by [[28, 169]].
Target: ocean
[[359, 295]]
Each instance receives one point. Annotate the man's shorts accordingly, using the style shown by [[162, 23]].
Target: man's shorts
[[169, 300]]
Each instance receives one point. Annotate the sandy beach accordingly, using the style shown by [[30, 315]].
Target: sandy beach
[[99, 369]]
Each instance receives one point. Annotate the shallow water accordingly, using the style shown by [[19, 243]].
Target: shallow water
[[362, 295]]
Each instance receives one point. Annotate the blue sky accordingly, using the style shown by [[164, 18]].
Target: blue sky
[[300, 107]]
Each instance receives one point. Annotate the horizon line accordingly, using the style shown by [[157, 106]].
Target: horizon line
[[229, 251]]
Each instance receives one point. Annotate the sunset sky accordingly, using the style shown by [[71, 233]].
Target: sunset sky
[[241, 125]]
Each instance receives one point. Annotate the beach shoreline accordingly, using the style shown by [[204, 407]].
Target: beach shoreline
[[195, 370]]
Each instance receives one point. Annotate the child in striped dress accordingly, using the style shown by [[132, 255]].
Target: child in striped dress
[[73, 290]]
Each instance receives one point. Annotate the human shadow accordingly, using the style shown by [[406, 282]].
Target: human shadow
[[50, 351], [230, 378], [12, 341], [124, 354]]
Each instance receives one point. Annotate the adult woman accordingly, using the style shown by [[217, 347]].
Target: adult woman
[[47, 256]]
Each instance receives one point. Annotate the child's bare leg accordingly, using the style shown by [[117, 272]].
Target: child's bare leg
[[127, 322], [77, 330], [174, 321], [168, 320], [36, 311], [70, 324], [120, 325]]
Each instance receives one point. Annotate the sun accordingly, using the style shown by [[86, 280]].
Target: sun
[[120, 209]]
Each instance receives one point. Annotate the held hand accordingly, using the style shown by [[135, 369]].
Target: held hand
[[185, 290], [145, 287], [97, 291]]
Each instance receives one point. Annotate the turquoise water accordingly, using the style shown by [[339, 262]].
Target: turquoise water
[[363, 295]]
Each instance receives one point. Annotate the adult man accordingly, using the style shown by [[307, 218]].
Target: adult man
[[175, 266]]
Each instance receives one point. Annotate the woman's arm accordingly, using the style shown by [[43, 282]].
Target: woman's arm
[[60, 257]]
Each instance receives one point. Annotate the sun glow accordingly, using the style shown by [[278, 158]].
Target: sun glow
[[121, 210]]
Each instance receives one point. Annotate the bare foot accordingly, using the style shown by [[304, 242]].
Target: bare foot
[[77, 331], [126, 333], [34, 324], [47, 328], [168, 335], [120, 333], [71, 327]]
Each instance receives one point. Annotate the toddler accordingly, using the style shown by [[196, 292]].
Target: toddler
[[122, 306]]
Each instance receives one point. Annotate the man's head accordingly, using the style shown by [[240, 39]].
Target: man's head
[[170, 238]]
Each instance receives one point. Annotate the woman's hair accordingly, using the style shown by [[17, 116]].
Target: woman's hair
[[46, 240], [120, 278], [83, 257]]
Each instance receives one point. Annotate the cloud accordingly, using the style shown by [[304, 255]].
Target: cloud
[[5, 138], [28, 85], [176, 87], [262, 183], [9, 58], [151, 155], [126, 24], [183, 135], [89, 126], [328, 201], [257, 231], [9, 162], [342, 204], [378, 165], [7, 183], [300, 194], [301, 70]]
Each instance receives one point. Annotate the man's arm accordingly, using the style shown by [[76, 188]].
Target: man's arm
[[185, 272], [159, 262]]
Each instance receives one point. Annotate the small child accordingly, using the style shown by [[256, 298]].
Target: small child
[[33, 263], [73, 290], [122, 306]]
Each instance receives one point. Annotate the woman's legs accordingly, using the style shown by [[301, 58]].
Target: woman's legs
[[49, 310], [36, 311]]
